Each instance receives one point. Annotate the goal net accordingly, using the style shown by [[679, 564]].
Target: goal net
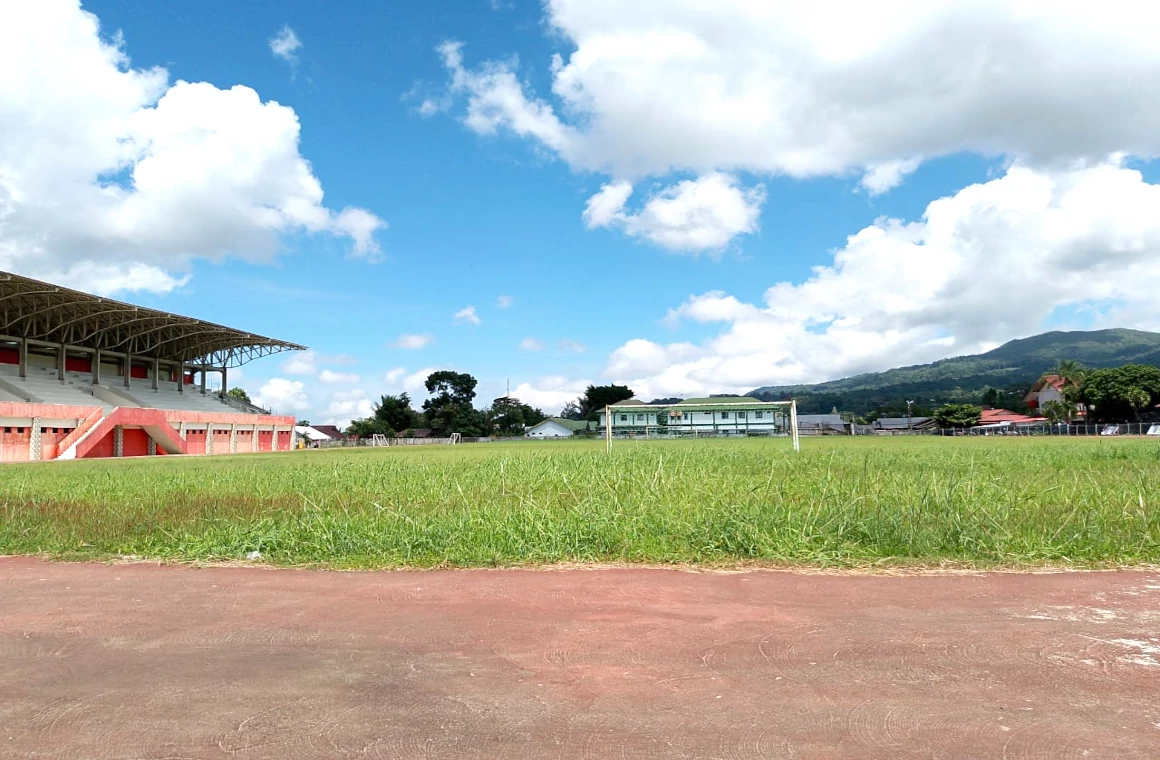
[[702, 418], [378, 439]]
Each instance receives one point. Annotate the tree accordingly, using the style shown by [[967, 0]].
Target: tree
[[596, 397], [958, 416], [571, 411], [303, 423], [239, 393], [449, 408], [1119, 393], [1057, 411], [510, 416], [390, 414], [1070, 372]]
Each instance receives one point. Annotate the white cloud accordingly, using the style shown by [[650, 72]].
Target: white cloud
[[301, 363], [992, 262], [504, 302], [691, 216], [531, 344], [393, 376], [413, 342], [344, 406], [571, 345], [882, 177], [826, 88], [112, 178], [285, 45], [338, 378], [550, 393], [467, 314], [283, 396]]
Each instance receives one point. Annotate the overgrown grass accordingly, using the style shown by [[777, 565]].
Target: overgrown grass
[[840, 502]]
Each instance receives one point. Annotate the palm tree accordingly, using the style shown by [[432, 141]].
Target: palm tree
[[1070, 372]]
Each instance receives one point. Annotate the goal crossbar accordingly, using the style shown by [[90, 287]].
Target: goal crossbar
[[740, 406]]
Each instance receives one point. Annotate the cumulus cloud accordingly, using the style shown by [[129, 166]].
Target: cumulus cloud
[[338, 378], [413, 342], [504, 302], [467, 315], [531, 344], [780, 87], [285, 45], [344, 406], [994, 261], [550, 393], [691, 216], [572, 346], [112, 178], [283, 396], [301, 363]]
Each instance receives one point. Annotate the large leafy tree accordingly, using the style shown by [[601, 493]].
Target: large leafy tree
[[571, 411], [1120, 393], [510, 416], [958, 416], [449, 409], [596, 397], [390, 415], [239, 393]]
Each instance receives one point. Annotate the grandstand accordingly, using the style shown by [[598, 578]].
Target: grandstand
[[83, 376]]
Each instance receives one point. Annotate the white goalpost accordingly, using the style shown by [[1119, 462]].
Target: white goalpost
[[378, 439], [745, 418]]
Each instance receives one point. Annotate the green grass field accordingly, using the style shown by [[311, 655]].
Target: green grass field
[[840, 502]]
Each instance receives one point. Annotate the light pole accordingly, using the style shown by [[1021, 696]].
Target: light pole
[[909, 429]]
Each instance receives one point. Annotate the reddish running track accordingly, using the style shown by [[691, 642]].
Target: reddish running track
[[140, 661]]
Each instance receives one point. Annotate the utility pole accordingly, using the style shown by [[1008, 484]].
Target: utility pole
[[909, 429]]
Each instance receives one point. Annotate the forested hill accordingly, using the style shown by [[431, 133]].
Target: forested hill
[[1012, 367]]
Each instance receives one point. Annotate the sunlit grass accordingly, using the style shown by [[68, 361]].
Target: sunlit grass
[[839, 502]]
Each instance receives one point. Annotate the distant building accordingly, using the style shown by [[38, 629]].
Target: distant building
[[897, 424], [720, 414], [1006, 417], [557, 427], [1047, 388], [330, 431]]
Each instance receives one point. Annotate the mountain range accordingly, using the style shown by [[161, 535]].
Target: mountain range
[[1011, 368]]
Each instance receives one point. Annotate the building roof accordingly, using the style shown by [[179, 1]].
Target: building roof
[[821, 419], [722, 400], [573, 425], [311, 433], [330, 431], [991, 416], [39, 311], [899, 423]]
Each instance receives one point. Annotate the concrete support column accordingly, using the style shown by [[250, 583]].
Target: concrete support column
[[225, 383], [118, 441], [128, 368], [203, 373], [23, 359], [181, 430], [34, 447], [274, 439], [233, 439], [156, 371], [60, 363], [181, 377], [97, 367], [254, 439], [209, 431]]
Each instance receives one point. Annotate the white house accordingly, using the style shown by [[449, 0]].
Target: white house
[[1047, 388], [723, 414], [556, 427]]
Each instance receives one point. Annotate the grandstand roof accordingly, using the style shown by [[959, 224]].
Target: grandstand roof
[[39, 311]]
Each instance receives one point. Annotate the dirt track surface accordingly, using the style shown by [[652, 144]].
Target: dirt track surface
[[140, 661]]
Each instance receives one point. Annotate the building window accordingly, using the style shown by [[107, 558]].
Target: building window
[[760, 414], [640, 418], [624, 418], [741, 415], [724, 415]]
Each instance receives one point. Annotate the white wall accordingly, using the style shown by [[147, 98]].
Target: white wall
[[549, 429]]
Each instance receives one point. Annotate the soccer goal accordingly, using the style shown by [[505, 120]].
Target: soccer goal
[[378, 439], [455, 438], [725, 417]]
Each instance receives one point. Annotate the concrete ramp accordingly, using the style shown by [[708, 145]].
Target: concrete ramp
[[153, 421]]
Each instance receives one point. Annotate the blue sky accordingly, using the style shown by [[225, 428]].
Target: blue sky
[[482, 187]]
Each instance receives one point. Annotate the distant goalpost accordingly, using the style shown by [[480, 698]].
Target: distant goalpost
[[686, 426]]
